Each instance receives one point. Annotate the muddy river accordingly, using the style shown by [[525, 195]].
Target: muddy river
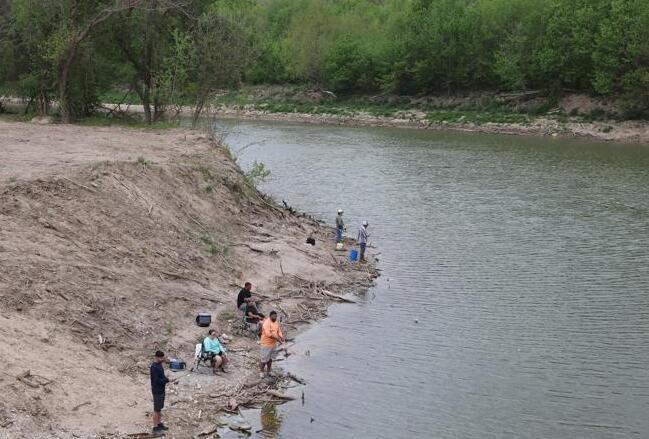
[[514, 301]]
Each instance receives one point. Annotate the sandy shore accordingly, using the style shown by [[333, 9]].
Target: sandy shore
[[111, 241], [609, 131], [627, 131]]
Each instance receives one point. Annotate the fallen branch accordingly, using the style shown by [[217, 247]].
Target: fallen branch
[[181, 276], [295, 378], [197, 222], [80, 185], [279, 395], [77, 407], [208, 432], [337, 297], [23, 378]]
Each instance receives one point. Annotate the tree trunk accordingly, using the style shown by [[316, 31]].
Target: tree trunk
[[65, 64], [198, 109], [64, 73]]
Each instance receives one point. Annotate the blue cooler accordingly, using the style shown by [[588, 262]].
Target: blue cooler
[[353, 255]]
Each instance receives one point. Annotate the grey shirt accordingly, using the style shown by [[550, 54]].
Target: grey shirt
[[362, 235], [339, 222]]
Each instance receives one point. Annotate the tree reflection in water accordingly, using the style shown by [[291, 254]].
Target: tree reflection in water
[[271, 421]]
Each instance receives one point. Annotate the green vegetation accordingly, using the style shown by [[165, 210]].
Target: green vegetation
[[169, 328], [143, 161], [257, 174], [214, 247], [447, 46], [70, 55]]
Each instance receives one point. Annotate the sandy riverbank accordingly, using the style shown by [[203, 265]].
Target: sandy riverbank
[[111, 241], [624, 131], [609, 131]]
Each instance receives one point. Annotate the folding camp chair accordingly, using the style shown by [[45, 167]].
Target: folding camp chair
[[246, 327], [201, 357]]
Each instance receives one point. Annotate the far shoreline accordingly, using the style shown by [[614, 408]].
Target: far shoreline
[[633, 132], [610, 131]]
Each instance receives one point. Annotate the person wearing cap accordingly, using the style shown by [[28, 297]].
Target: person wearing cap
[[362, 240], [340, 226], [158, 384]]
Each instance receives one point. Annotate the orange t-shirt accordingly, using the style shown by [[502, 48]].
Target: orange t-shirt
[[269, 328]]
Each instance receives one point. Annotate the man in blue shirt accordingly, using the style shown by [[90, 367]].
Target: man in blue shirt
[[215, 352], [158, 384]]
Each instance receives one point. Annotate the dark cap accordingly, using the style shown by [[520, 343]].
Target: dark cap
[[159, 354]]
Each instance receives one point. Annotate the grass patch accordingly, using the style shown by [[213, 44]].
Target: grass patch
[[259, 173], [228, 152], [206, 172], [227, 315], [214, 247], [143, 161]]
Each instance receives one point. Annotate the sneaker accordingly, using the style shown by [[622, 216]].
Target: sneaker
[[157, 432], [162, 427]]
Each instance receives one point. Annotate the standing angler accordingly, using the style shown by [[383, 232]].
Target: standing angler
[[271, 334], [158, 383], [362, 239], [340, 226]]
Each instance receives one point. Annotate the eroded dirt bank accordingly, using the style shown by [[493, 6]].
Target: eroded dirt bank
[[111, 241]]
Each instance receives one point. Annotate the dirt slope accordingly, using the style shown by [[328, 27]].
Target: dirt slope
[[104, 258]]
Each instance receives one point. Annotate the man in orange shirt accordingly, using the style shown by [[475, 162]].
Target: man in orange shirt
[[271, 334]]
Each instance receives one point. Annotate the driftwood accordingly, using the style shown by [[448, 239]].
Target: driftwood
[[77, 407], [182, 276], [33, 381], [279, 395], [23, 378], [295, 378], [337, 297], [80, 185]]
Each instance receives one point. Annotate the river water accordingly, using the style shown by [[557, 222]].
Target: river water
[[514, 301]]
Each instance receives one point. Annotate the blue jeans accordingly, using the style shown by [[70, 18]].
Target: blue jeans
[[363, 246], [339, 235]]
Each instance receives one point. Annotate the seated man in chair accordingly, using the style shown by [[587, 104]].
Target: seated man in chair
[[245, 297], [215, 352], [252, 314]]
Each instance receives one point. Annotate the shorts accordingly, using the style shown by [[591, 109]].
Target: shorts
[[212, 355], [243, 306], [158, 402], [267, 353]]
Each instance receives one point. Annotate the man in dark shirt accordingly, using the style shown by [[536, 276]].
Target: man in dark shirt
[[158, 383], [245, 297]]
